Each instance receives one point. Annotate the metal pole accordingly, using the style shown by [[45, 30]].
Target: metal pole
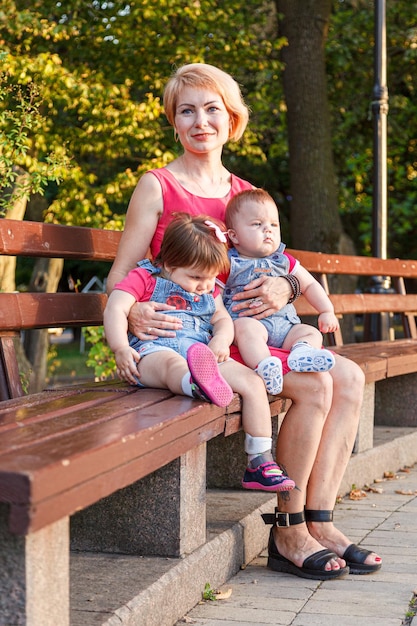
[[380, 112], [379, 327]]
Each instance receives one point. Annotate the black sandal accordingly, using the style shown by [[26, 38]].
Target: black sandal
[[312, 566], [354, 555]]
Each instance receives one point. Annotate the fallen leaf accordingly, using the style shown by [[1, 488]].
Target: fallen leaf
[[389, 475], [357, 494], [373, 489], [223, 595], [406, 470], [403, 492]]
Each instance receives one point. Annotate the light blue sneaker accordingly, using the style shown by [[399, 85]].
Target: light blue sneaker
[[270, 370], [305, 358]]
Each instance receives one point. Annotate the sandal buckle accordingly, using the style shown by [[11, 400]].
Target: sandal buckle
[[282, 519]]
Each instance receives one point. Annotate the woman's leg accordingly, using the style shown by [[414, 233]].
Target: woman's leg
[[334, 453], [297, 448]]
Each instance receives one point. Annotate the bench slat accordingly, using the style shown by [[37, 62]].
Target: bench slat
[[114, 438], [322, 263], [361, 303], [20, 311], [35, 239]]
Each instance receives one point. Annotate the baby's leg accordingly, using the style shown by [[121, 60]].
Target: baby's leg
[[303, 333], [163, 369], [251, 338], [305, 343], [262, 471], [197, 377]]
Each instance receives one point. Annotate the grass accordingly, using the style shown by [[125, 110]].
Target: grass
[[66, 362]]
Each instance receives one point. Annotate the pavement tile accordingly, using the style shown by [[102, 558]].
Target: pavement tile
[[385, 522]]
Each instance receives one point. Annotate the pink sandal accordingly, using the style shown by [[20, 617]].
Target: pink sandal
[[210, 384]]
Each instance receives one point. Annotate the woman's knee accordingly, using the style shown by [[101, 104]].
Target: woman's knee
[[312, 390], [348, 377]]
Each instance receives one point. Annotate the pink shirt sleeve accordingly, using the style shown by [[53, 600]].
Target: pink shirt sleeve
[[139, 283]]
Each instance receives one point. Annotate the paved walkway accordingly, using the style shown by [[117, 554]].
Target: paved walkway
[[386, 522]]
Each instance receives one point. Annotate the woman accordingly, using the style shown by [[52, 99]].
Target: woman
[[205, 107]]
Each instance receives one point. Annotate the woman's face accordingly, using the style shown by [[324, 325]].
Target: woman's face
[[201, 120]]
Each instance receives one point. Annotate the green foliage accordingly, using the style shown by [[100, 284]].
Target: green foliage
[[209, 593], [20, 120], [351, 80], [100, 357], [100, 68]]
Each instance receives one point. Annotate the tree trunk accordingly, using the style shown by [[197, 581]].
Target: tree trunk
[[313, 186], [16, 212], [45, 278], [315, 220]]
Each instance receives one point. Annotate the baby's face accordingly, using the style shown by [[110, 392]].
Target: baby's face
[[256, 231], [193, 279]]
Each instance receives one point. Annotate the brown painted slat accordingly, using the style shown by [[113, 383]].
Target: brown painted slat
[[50, 310], [322, 263], [360, 303], [84, 457], [34, 516], [36, 421], [106, 437], [57, 241]]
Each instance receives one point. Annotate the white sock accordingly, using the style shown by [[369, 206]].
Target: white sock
[[186, 385], [257, 445]]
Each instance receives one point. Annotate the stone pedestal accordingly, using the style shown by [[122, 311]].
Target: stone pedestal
[[164, 514], [34, 575]]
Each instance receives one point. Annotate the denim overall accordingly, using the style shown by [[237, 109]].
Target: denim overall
[[242, 271], [194, 310]]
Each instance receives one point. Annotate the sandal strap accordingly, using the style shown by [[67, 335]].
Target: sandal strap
[[318, 516], [281, 519]]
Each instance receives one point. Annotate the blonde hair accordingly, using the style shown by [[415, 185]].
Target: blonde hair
[[190, 242], [239, 200], [202, 75]]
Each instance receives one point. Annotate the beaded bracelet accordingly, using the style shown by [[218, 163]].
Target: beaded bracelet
[[295, 286]]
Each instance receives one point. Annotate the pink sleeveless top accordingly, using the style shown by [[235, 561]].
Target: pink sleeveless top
[[176, 198]]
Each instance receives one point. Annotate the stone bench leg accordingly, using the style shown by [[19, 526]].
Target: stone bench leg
[[164, 514], [227, 460], [34, 575], [365, 436]]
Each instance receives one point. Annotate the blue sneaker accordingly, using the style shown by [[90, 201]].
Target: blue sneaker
[[267, 477]]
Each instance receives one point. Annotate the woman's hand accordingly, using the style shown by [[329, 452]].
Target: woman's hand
[[146, 323], [263, 297]]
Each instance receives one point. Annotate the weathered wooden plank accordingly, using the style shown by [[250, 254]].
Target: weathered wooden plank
[[323, 263], [35, 239], [361, 303], [77, 462], [20, 311]]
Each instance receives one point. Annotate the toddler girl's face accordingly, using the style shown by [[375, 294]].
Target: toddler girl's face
[[256, 232], [193, 279]]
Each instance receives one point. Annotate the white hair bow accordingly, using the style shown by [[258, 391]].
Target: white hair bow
[[219, 234]]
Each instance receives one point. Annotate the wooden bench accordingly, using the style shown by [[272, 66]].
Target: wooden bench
[[63, 450], [103, 457], [390, 366]]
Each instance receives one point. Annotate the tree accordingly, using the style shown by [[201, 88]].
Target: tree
[[314, 198]]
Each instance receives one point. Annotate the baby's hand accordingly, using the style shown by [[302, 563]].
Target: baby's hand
[[220, 349], [328, 322], [127, 360]]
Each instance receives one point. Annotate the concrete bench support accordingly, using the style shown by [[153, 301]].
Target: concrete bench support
[[34, 575], [164, 514]]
